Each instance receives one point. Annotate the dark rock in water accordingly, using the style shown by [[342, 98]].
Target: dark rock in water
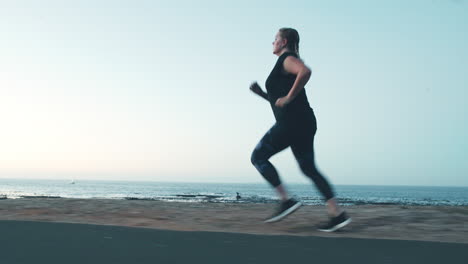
[[39, 196], [198, 196], [213, 196], [3, 197], [139, 199]]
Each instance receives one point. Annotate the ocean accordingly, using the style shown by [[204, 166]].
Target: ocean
[[226, 192]]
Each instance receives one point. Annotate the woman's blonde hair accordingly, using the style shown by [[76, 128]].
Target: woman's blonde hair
[[293, 38]]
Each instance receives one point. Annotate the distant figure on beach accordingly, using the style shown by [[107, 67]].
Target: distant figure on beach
[[238, 197], [295, 127]]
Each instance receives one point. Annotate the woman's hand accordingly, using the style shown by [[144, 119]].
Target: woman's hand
[[282, 101], [254, 87]]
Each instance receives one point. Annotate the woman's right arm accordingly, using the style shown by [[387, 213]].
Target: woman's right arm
[[254, 87]]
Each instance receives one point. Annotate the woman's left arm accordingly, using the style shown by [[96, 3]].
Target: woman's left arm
[[294, 66]]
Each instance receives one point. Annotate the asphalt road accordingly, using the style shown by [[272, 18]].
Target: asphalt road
[[48, 243]]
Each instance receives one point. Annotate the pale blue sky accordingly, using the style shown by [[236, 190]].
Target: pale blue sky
[[158, 90]]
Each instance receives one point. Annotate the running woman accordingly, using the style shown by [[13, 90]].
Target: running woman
[[295, 127]]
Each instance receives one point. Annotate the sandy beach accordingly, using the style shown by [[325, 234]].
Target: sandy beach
[[419, 223]]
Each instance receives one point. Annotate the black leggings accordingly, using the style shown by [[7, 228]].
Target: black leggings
[[301, 140]]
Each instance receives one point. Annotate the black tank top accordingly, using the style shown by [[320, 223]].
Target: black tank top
[[278, 84]]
